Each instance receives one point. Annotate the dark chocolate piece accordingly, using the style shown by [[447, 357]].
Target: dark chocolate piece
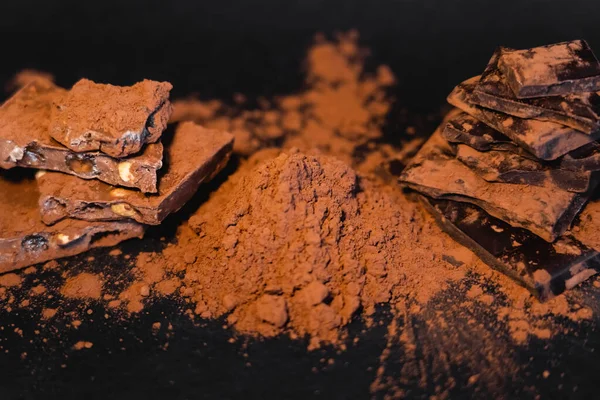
[[194, 156], [465, 129], [546, 211], [504, 166], [25, 240], [24, 142], [556, 69], [579, 111], [114, 120], [462, 128], [546, 140], [546, 269]]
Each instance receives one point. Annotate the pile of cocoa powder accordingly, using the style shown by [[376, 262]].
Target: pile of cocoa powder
[[305, 236]]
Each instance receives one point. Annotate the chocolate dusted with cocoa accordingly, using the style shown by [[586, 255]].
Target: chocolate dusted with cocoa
[[464, 129], [193, 156], [545, 140], [25, 142], [551, 70], [546, 211], [25, 240], [507, 167], [545, 269], [115, 120], [580, 111]]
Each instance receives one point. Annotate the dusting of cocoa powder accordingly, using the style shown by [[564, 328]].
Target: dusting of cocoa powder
[[83, 286]]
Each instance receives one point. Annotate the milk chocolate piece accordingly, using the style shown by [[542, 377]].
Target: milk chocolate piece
[[194, 156], [25, 240], [546, 211], [507, 167], [114, 120], [24, 142], [579, 111], [546, 269], [556, 69], [545, 140]]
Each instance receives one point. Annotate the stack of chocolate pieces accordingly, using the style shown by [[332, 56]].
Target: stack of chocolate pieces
[[107, 166], [510, 169]]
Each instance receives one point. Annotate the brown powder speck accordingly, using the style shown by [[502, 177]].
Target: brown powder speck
[[48, 313], [83, 345], [83, 286], [10, 280]]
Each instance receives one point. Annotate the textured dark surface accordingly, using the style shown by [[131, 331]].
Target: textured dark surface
[[216, 49]]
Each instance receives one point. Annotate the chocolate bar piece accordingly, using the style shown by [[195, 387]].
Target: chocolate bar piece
[[194, 156], [579, 111], [465, 129], [556, 69], [114, 120], [546, 140], [24, 142], [586, 229], [546, 269], [25, 240], [504, 166], [462, 128], [546, 211]]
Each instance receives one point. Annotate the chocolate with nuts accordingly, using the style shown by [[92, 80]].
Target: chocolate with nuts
[[114, 120], [194, 155], [24, 142], [25, 240]]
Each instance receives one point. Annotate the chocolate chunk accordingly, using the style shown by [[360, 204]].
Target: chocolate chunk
[[194, 156], [579, 111], [546, 140], [556, 69], [114, 120], [25, 240], [586, 158], [546, 269], [546, 211], [24, 142], [504, 166], [465, 129]]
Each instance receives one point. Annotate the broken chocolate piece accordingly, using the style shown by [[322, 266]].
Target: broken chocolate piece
[[546, 140], [546, 211], [114, 120], [25, 240], [579, 111], [546, 269], [194, 156], [463, 128], [504, 166], [24, 142], [556, 69]]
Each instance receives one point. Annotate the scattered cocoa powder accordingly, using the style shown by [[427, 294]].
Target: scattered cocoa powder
[[83, 286]]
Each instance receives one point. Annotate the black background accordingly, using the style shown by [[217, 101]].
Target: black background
[[218, 48], [255, 46]]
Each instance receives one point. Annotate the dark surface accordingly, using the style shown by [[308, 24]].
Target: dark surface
[[256, 48]]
